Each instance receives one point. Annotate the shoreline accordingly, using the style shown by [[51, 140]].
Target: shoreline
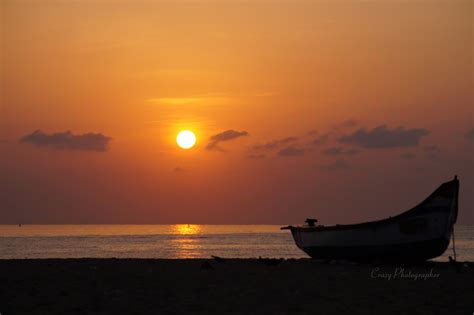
[[236, 286]]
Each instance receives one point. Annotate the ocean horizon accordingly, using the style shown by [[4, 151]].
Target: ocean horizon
[[170, 241]]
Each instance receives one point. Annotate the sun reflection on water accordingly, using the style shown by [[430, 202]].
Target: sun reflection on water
[[186, 246], [186, 229]]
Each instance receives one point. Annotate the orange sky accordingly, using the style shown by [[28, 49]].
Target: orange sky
[[321, 74]]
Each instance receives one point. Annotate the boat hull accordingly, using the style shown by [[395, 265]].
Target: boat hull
[[420, 233], [415, 251]]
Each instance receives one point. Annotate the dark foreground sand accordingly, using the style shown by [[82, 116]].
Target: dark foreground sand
[[130, 286]]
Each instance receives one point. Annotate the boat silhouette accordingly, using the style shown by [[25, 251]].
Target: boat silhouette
[[421, 233]]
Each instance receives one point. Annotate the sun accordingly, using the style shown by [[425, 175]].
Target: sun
[[186, 139]]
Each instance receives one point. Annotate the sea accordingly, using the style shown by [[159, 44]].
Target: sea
[[169, 241]]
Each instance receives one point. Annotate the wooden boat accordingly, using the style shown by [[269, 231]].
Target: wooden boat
[[418, 234]]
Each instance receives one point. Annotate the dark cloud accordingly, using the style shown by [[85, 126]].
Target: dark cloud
[[382, 137], [470, 135], [340, 151], [228, 135], [320, 139], [273, 145], [224, 136], [68, 141], [214, 147], [291, 151], [337, 166], [178, 169]]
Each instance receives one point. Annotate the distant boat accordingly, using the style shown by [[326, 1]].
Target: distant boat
[[418, 234]]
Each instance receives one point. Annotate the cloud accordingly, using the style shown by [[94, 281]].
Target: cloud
[[224, 136], [291, 151], [68, 141], [228, 135], [337, 166], [321, 139], [382, 137], [178, 169], [272, 145], [470, 135], [340, 151]]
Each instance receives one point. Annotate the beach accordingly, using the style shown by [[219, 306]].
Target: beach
[[232, 286]]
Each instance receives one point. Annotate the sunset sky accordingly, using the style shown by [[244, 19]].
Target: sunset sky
[[345, 111]]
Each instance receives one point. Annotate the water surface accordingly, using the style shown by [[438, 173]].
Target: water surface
[[167, 241]]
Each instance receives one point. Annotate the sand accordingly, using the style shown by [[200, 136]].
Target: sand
[[304, 286]]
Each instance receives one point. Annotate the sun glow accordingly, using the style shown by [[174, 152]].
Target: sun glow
[[186, 139], [186, 229]]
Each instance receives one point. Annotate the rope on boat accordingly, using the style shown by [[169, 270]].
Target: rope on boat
[[454, 245]]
